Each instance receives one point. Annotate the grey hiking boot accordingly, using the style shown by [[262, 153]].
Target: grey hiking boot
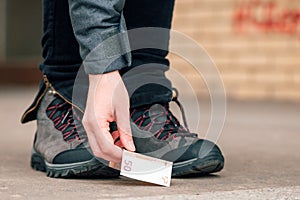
[[158, 133], [59, 149]]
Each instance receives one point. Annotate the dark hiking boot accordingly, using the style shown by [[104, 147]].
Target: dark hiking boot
[[59, 149], [159, 134]]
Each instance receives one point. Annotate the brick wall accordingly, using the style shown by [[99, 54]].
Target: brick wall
[[254, 43]]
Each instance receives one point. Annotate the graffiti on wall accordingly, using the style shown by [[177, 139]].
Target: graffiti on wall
[[266, 16]]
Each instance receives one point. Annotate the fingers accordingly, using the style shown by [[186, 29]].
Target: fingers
[[101, 141], [108, 150], [115, 135], [116, 138], [104, 106]]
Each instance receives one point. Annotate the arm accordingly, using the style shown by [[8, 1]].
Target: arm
[[100, 30], [94, 22]]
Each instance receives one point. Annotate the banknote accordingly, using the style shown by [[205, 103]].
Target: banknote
[[145, 168]]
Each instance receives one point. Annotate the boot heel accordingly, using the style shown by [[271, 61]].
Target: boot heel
[[37, 162]]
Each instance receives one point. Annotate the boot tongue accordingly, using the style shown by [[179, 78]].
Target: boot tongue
[[157, 119]]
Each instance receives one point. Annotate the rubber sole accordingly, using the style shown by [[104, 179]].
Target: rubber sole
[[211, 163], [89, 169]]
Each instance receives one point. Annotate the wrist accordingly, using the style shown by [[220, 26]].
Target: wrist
[[109, 75]]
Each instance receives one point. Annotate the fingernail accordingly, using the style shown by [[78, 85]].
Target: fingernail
[[131, 145]]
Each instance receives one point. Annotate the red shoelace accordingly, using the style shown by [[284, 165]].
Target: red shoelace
[[62, 115]]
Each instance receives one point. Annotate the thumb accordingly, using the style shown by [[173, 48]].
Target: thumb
[[124, 129], [126, 140]]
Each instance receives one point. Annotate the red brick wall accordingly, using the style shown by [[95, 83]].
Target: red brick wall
[[255, 44]]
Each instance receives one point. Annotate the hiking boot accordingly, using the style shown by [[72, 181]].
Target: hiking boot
[[59, 149], [157, 133]]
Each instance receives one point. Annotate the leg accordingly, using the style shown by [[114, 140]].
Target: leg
[[156, 130], [60, 53], [153, 62], [60, 48], [59, 149]]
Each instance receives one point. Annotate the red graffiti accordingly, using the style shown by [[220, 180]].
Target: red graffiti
[[266, 16]]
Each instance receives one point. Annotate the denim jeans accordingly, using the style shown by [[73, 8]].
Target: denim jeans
[[62, 61]]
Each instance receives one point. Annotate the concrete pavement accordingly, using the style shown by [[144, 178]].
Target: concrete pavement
[[260, 140]]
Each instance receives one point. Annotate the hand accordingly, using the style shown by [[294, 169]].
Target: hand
[[107, 101]]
